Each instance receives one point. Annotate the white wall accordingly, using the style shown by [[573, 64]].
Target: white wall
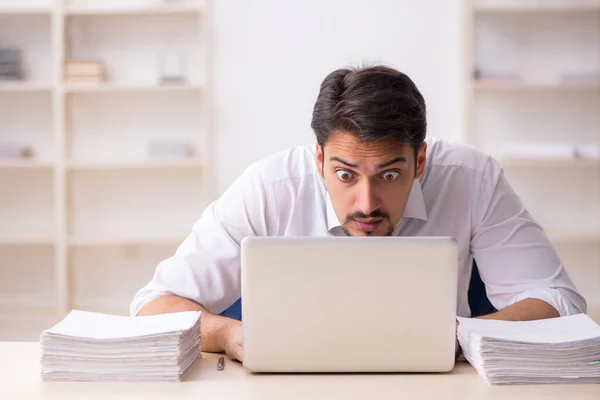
[[270, 57]]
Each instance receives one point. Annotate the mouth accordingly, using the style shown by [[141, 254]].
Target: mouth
[[368, 225]]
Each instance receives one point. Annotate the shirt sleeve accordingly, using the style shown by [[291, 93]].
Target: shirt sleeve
[[516, 260], [206, 266]]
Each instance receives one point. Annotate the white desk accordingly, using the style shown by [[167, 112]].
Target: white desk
[[20, 379]]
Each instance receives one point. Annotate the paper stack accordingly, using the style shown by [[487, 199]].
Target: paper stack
[[557, 350], [88, 346], [84, 72]]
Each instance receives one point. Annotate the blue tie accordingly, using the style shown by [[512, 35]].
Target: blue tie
[[234, 311]]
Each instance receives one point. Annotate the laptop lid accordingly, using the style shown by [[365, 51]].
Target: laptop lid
[[371, 304]]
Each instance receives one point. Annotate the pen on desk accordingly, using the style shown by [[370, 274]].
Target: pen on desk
[[221, 364]]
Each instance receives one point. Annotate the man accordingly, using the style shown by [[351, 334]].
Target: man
[[370, 174]]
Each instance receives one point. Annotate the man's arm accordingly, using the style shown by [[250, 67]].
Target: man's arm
[[525, 310], [524, 276], [218, 333], [204, 273], [516, 260]]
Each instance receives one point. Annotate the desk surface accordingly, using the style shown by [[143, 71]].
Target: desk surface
[[20, 379]]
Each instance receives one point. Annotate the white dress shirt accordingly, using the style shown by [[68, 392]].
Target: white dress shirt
[[462, 193]]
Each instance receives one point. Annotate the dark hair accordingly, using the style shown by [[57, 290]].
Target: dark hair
[[373, 103]]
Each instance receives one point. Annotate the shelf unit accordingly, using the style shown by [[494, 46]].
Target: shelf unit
[[522, 60], [16, 87], [108, 88], [24, 240], [91, 214], [15, 11], [536, 7], [113, 240], [166, 9], [548, 162], [511, 86], [25, 164], [148, 164]]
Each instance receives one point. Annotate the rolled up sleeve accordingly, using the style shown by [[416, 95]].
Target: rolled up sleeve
[[516, 260], [206, 266]]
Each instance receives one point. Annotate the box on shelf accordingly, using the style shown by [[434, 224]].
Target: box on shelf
[[13, 150], [11, 67], [84, 72], [481, 75], [172, 148], [172, 69]]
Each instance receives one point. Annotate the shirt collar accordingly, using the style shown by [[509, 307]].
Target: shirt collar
[[415, 207]]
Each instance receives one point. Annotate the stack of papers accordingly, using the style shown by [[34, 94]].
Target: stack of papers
[[557, 350], [88, 346]]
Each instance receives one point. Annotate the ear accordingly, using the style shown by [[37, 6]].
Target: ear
[[421, 160], [319, 159]]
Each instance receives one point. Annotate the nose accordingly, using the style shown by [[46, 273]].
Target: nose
[[367, 200]]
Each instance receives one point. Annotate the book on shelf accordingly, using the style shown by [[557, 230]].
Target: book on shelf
[[15, 151], [170, 148], [84, 72]]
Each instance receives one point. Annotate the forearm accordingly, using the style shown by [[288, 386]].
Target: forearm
[[525, 310], [212, 327]]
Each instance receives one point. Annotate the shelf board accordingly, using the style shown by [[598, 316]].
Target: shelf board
[[574, 237], [25, 164], [148, 164], [119, 88], [541, 9], [25, 11], [26, 240], [159, 10], [26, 313], [548, 162], [24, 86], [130, 240], [521, 86]]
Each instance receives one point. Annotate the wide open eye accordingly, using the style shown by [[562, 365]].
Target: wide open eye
[[390, 176], [343, 175]]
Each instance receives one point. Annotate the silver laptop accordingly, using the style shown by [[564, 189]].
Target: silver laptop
[[373, 304]]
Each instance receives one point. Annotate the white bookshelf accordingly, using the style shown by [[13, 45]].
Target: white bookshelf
[[511, 86], [536, 7], [529, 55], [140, 165], [548, 162], [11, 9], [116, 240], [89, 216], [108, 88], [17, 87], [173, 9]]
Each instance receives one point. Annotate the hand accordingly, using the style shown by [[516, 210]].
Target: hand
[[232, 340]]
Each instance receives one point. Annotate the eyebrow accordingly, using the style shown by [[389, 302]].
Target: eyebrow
[[343, 162], [380, 166], [391, 162]]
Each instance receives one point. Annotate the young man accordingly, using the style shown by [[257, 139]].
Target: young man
[[370, 174]]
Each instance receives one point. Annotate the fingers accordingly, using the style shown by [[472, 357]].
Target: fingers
[[233, 341], [236, 352]]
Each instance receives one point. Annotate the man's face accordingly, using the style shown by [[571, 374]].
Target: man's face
[[368, 183]]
